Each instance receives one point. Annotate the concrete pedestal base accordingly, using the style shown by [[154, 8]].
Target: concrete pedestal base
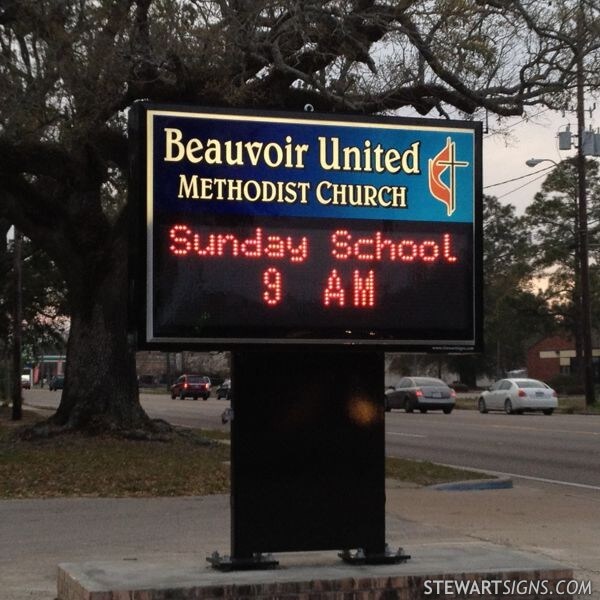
[[488, 570]]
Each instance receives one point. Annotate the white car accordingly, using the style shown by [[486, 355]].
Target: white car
[[517, 396]]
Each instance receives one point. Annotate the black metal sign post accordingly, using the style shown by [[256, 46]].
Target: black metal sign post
[[308, 452], [308, 245], [307, 457]]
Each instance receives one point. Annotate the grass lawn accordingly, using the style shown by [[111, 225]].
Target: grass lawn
[[76, 465], [575, 405], [426, 473], [193, 464], [566, 404]]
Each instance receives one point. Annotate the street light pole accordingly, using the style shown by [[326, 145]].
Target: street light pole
[[17, 413]]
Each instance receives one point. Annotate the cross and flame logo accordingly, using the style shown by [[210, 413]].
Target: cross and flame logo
[[445, 160]]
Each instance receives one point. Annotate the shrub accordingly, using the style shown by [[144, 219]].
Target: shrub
[[567, 384]]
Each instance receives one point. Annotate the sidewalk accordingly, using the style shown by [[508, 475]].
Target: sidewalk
[[557, 522], [35, 535]]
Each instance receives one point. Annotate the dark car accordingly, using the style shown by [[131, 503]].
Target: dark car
[[191, 386], [422, 393], [56, 383], [224, 390]]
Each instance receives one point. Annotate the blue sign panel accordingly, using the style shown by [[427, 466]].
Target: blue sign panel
[[304, 229]]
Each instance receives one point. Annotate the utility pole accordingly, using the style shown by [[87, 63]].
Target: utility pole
[[582, 245], [17, 412]]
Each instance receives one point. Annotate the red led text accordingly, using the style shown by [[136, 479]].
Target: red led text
[[272, 282], [184, 242], [378, 248], [341, 287], [361, 295]]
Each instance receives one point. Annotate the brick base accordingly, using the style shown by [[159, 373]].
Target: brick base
[[478, 563]]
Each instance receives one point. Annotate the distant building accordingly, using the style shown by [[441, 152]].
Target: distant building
[[47, 366], [555, 355], [153, 368], [158, 368]]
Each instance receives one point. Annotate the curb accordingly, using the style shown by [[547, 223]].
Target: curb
[[503, 483]]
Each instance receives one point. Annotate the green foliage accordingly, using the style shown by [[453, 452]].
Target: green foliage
[[469, 367], [44, 325], [514, 314], [506, 248], [552, 218]]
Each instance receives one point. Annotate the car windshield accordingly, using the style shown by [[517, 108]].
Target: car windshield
[[197, 379], [531, 383], [428, 381]]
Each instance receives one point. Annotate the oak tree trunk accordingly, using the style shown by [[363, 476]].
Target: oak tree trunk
[[100, 392]]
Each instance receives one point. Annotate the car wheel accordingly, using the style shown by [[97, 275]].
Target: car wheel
[[481, 406], [508, 407], [548, 411], [204, 397], [423, 410], [388, 408], [181, 396], [173, 396], [447, 410], [409, 405]]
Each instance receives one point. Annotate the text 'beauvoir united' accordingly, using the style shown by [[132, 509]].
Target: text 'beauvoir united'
[[332, 157]]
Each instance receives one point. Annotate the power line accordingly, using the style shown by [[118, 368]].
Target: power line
[[485, 187], [521, 186]]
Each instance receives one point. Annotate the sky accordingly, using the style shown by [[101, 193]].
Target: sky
[[504, 156]]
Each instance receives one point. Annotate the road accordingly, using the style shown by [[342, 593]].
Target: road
[[559, 448]]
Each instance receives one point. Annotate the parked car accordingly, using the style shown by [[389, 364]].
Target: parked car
[[517, 396], [26, 382], [191, 386], [57, 382], [422, 393], [224, 390], [457, 386]]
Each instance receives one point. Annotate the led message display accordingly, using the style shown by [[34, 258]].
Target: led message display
[[298, 229]]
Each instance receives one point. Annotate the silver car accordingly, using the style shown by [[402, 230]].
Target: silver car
[[422, 393], [517, 396]]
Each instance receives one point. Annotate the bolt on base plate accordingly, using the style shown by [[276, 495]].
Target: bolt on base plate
[[359, 557], [257, 561]]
